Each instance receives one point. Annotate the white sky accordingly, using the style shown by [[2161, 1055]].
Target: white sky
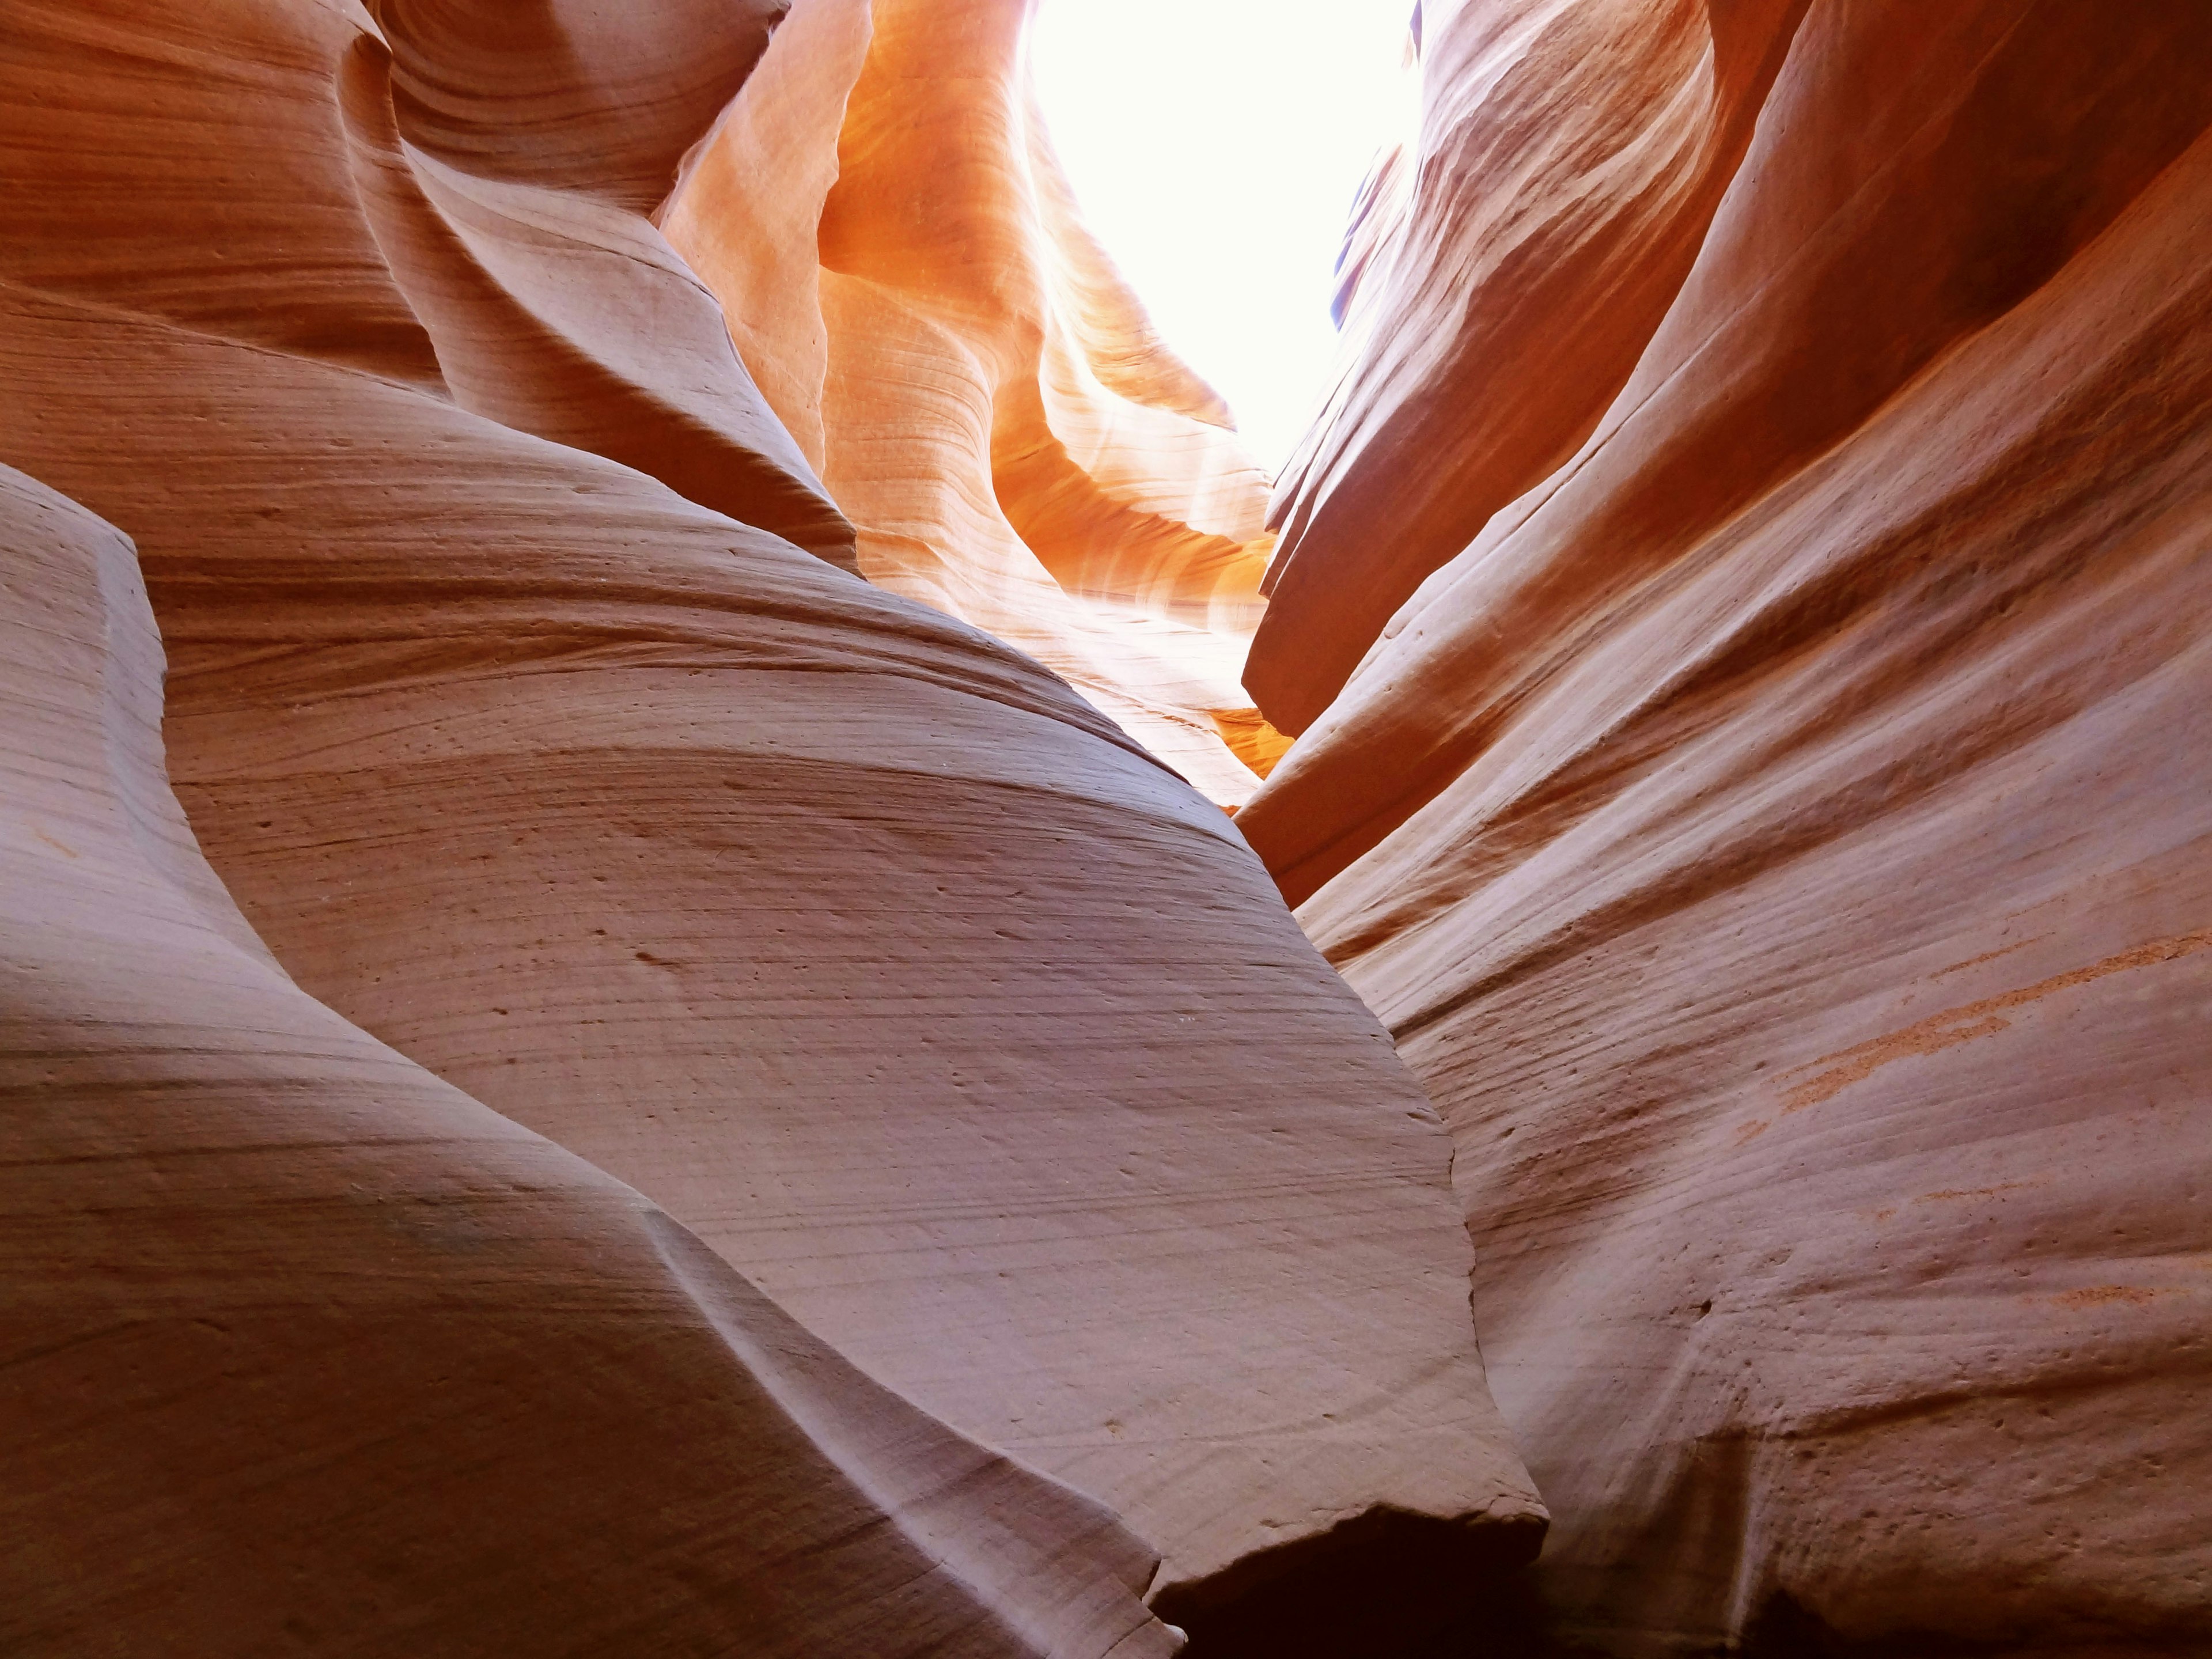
[[1216, 146]]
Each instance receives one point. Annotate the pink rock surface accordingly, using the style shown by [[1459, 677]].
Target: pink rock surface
[[1779, 842], [890, 967], [303, 1349]]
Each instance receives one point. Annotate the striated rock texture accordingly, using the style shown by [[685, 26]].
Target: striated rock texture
[[1504, 282], [516, 698], [1780, 839], [505, 162], [907, 273], [305, 1350]]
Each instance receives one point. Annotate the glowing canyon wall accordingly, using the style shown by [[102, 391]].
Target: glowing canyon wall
[[630, 1023], [1746, 612], [882, 216]]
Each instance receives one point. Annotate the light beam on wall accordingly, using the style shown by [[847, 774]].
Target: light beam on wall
[[1217, 146]]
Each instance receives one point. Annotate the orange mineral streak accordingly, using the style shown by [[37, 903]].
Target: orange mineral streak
[[1796, 743], [906, 270], [1977, 1019], [841, 954]]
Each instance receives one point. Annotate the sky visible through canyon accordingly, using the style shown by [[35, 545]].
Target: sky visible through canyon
[[1217, 146]]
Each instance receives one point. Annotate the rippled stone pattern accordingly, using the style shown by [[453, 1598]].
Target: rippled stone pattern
[[1778, 838], [518, 699]]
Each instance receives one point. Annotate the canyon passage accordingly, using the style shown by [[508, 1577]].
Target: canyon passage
[[719, 936]]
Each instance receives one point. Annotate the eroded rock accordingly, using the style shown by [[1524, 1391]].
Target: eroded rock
[[891, 968], [305, 1348], [1777, 840]]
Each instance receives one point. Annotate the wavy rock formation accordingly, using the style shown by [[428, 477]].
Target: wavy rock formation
[[678, 1095], [1499, 322], [891, 970], [907, 276], [1779, 839], [303, 1348], [507, 163]]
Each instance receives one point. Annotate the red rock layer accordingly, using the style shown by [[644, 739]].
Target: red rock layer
[[890, 967], [1780, 842], [907, 275], [304, 1349]]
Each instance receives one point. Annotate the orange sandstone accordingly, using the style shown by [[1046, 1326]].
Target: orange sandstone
[[904, 267], [1506, 277], [1778, 840]]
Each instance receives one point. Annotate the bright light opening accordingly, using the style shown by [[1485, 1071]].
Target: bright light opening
[[1216, 147]]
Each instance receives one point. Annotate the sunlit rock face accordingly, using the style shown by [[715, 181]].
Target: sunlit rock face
[[907, 276], [1778, 835], [1504, 281], [683, 1092], [518, 699]]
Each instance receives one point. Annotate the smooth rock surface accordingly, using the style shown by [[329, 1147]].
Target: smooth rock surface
[[505, 159], [304, 1350], [895, 971], [1780, 843], [1500, 285]]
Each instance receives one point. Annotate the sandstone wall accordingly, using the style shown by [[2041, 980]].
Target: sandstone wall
[[304, 1350], [1778, 838], [698, 1082], [517, 697], [904, 266]]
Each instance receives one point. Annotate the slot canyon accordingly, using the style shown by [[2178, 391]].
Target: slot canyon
[[719, 936]]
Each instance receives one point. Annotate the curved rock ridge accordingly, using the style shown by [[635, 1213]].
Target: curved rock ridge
[[896, 972], [907, 273], [506, 159], [304, 1348], [1496, 323], [1779, 841]]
